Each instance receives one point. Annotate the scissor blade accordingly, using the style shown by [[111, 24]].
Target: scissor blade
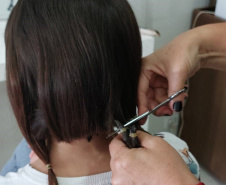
[[138, 118]]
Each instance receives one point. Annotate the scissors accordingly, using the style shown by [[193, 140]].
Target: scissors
[[150, 112]]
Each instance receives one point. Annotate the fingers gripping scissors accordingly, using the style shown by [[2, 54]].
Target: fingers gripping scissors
[[149, 112]]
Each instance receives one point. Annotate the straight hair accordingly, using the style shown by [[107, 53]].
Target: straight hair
[[72, 69]]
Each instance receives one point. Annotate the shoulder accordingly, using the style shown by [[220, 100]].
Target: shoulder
[[182, 148], [29, 176], [22, 176], [173, 140]]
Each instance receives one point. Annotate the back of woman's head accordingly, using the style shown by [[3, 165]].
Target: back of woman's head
[[72, 68]]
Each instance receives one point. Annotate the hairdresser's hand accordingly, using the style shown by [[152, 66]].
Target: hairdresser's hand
[[156, 163], [165, 71]]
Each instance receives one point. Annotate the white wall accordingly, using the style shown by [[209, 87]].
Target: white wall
[[5, 8], [169, 17]]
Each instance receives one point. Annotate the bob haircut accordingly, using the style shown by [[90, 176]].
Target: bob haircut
[[72, 69]]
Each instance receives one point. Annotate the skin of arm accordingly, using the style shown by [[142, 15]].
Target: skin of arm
[[155, 163], [166, 70], [163, 73], [212, 52]]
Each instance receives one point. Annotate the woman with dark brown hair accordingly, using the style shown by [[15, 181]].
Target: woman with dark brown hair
[[72, 69]]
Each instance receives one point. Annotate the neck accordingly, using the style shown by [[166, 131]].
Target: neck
[[79, 158]]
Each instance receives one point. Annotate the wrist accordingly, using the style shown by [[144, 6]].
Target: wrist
[[188, 178], [212, 46], [200, 183]]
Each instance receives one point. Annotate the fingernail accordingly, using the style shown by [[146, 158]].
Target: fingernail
[[166, 115], [177, 106]]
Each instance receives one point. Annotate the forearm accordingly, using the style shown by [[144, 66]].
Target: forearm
[[212, 50], [167, 69]]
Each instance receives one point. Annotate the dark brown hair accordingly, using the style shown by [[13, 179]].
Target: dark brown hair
[[72, 68]]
